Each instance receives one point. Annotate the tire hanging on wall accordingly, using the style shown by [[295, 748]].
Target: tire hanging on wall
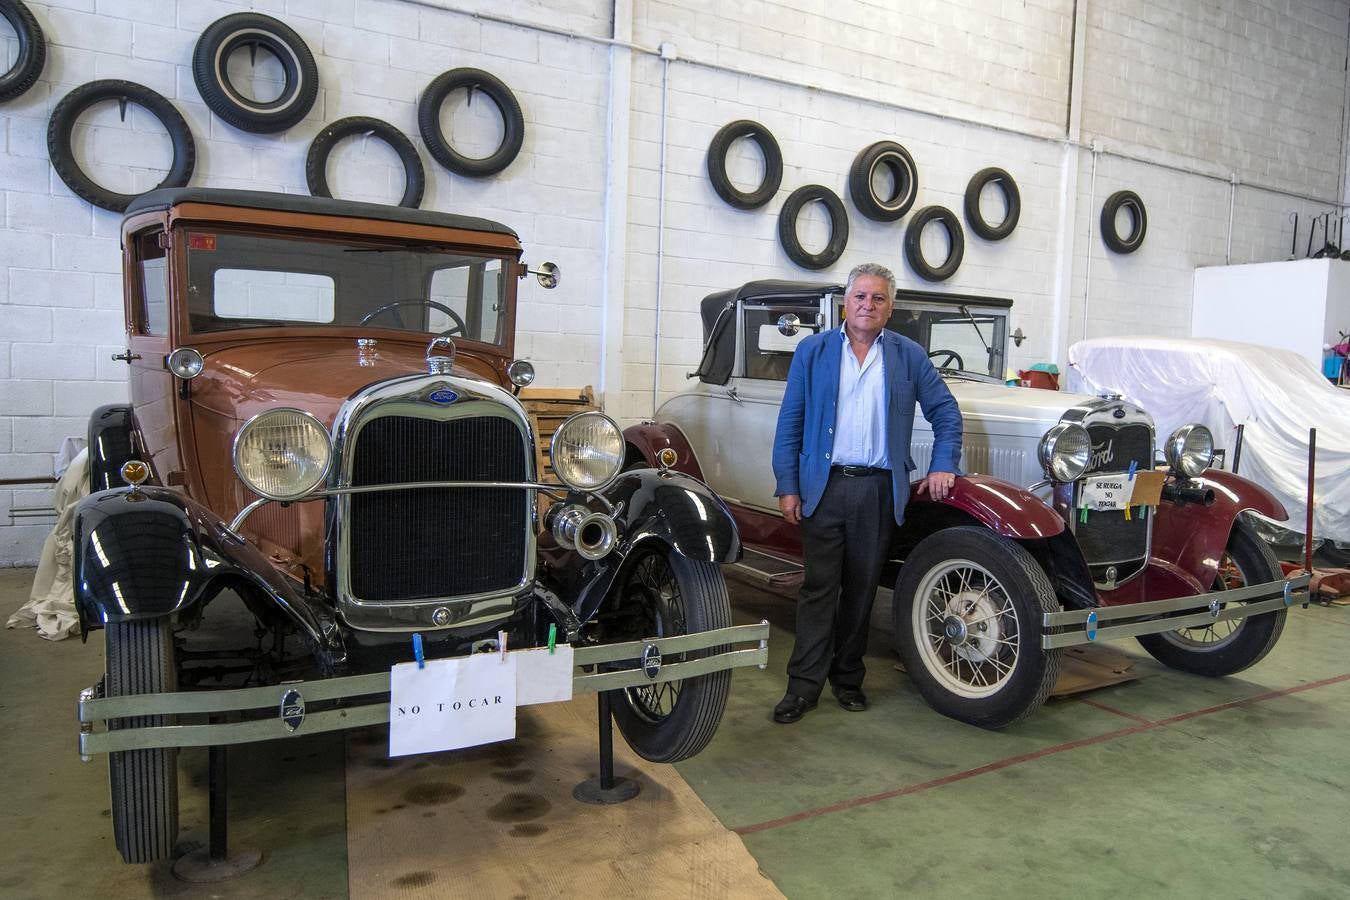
[[1128, 200], [253, 30], [61, 127], [429, 122], [896, 159], [32, 50], [316, 161], [914, 248], [1012, 198], [787, 227], [717, 164]]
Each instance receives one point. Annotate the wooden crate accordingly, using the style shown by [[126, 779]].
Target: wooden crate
[[548, 408]]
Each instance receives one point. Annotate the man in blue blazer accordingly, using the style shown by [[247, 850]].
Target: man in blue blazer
[[841, 459]]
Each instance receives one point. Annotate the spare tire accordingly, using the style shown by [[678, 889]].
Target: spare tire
[[787, 227], [1134, 240], [62, 125], [429, 122], [914, 248], [1012, 198], [316, 161], [32, 50], [717, 164], [253, 30], [897, 160]]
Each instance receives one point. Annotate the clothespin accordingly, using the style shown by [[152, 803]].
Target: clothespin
[[1082, 515], [1127, 514], [501, 645], [1134, 464], [552, 637], [417, 650]]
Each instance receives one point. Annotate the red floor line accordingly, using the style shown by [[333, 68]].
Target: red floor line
[[1145, 725], [1111, 709]]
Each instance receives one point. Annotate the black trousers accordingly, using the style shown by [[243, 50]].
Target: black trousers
[[844, 544]]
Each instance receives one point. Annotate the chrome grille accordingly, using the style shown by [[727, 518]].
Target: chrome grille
[[1107, 538], [443, 542]]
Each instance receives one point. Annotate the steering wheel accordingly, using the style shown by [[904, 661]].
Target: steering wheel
[[457, 328], [948, 357]]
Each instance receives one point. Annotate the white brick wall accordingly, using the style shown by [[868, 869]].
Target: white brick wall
[[1242, 87]]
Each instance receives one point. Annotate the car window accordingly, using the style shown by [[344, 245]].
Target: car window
[[251, 280], [153, 315], [772, 334]]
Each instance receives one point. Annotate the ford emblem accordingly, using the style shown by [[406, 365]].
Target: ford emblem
[[651, 660], [444, 396], [292, 710]]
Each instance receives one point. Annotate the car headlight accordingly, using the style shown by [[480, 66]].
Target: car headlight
[[1190, 450], [282, 454], [587, 451], [1065, 451]]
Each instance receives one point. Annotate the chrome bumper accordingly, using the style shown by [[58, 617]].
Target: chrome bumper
[[1105, 623], [370, 695]]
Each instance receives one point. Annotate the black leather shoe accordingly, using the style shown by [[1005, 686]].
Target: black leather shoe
[[851, 699], [791, 708]]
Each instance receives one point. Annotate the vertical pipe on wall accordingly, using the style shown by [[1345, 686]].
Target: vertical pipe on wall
[[1092, 204], [1069, 163], [667, 54], [1232, 200], [618, 133]]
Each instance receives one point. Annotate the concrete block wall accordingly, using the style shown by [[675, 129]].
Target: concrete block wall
[[1251, 90]]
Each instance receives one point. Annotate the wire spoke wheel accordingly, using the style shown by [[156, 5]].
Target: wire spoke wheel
[[971, 637], [652, 583]]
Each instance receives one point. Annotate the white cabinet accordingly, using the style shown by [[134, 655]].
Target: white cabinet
[[1300, 305]]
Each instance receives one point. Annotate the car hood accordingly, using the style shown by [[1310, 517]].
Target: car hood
[[240, 381], [1015, 405]]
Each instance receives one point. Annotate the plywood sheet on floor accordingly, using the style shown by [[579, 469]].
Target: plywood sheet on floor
[[1086, 668], [500, 821]]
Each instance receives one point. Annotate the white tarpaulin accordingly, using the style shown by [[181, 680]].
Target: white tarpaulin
[[51, 603], [1277, 394]]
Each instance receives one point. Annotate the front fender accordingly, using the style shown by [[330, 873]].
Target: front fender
[[112, 441], [999, 505], [647, 439], [1192, 536], [152, 552], [670, 507]]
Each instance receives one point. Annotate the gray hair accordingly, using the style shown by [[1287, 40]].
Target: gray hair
[[876, 269]]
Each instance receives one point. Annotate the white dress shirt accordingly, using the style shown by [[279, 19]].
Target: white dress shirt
[[860, 413]]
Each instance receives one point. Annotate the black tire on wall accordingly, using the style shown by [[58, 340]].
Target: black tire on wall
[[429, 122], [141, 659], [212, 53], [894, 158], [1130, 201], [32, 50], [914, 248], [316, 161], [1012, 198], [787, 227], [62, 125], [717, 164]]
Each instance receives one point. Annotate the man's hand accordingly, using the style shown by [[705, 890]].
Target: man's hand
[[790, 505], [937, 484]]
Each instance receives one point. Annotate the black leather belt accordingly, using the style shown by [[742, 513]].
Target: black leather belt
[[859, 471]]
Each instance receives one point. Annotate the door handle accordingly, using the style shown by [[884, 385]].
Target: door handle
[[731, 392], [126, 357]]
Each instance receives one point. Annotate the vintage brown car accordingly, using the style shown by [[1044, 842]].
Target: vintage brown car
[[324, 424]]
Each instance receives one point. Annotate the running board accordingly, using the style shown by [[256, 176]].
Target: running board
[[767, 570]]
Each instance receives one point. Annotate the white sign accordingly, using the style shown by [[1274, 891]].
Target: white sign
[[1110, 492], [452, 703], [543, 677]]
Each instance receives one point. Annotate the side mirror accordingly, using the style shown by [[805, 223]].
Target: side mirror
[[548, 274]]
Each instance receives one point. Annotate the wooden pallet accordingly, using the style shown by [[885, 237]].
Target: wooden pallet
[[548, 408]]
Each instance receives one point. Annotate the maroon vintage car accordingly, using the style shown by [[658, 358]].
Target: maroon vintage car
[[323, 424], [1062, 533]]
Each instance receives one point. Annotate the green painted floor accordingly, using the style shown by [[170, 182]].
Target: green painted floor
[[1172, 786]]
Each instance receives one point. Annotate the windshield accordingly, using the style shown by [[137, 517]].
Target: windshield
[[957, 337], [249, 280]]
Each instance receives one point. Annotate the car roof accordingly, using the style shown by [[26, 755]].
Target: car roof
[[302, 203], [778, 289]]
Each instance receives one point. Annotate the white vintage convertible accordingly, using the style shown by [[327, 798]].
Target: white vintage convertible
[[1063, 532]]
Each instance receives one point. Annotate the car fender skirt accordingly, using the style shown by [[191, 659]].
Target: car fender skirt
[[1001, 506], [1193, 535], [152, 552]]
